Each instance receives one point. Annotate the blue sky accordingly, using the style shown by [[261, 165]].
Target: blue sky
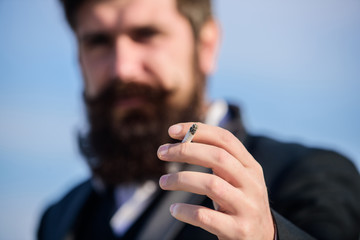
[[293, 66]]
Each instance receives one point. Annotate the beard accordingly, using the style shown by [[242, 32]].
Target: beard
[[121, 144]]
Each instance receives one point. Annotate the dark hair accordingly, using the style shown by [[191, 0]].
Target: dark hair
[[197, 12]]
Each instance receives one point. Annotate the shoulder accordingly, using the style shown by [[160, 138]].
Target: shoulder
[[316, 189], [59, 215], [67, 200], [280, 159]]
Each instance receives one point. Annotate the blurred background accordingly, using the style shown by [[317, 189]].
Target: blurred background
[[293, 66]]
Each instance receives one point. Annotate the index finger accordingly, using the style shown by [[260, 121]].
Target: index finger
[[215, 136]]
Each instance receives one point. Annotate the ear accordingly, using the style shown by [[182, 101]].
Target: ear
[[81, 64], [208, 46], [82, 68]]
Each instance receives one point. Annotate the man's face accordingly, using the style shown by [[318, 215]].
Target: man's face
[[141, 41], [141, 75]]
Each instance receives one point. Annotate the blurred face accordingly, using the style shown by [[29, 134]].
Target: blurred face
[[139, 41], [139, 63]]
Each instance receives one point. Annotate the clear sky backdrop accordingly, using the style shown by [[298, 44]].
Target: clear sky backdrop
[[293, 67]]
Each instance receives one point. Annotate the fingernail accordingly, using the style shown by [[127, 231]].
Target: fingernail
[[163, 180], [172, 208], [163, 150], [175, 129]]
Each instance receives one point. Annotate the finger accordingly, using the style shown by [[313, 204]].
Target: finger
[[210, 220], [220, 191], [220, 161], [215, 136]]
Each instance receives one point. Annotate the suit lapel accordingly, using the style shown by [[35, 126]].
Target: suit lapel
[[63, 229]]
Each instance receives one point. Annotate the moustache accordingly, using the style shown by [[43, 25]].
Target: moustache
[[119, 90]]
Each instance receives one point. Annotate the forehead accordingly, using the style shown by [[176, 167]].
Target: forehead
[[123, 14]]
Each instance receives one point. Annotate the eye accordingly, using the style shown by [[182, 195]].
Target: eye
[[97, 40], [144, 34]]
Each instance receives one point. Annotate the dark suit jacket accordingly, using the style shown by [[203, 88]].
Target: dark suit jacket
[[312, 192]]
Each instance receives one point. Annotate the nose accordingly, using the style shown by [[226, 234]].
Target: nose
[[127, 62]]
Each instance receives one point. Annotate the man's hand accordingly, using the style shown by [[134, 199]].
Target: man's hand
[[237, 185]]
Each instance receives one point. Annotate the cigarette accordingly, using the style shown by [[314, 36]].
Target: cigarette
[[190, 134]]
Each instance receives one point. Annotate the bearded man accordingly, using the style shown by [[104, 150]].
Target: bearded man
[[144, 65]]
